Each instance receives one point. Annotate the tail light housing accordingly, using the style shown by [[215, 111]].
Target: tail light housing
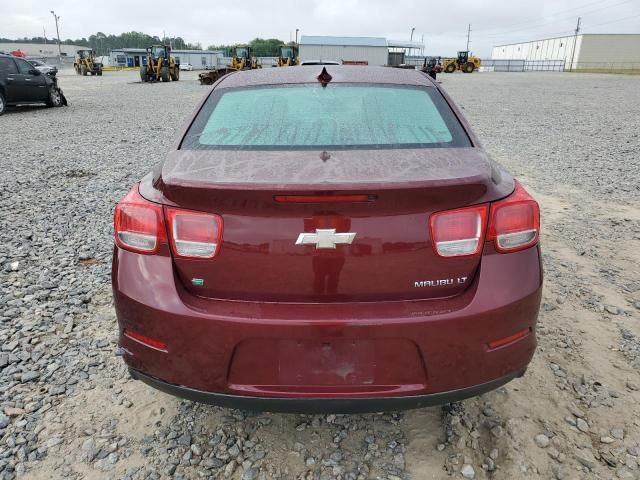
[[459, 233], [194, 235], [139, 224], [140, 227], [514, 222]]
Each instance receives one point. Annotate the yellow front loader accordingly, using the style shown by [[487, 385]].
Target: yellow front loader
[[85, 63], [465, 62], [161, 66], [288, 56], [242, 59]]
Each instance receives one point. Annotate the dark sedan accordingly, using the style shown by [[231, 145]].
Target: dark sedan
[[22, 84], [43, 67], [327, 239]]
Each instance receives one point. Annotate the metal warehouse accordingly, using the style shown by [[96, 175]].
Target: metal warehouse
[[134, 57], [584, 51], [347, 50]]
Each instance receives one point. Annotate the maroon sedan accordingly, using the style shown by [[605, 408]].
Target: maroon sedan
[[332, 240]]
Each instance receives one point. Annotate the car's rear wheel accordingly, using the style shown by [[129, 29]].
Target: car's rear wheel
[[3, 104], [55, 97], [469, 67], [143, 74], [100, 72], [175, 76], [83, 70], [450, 68]]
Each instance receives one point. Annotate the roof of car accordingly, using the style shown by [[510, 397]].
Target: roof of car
[[339, 74]]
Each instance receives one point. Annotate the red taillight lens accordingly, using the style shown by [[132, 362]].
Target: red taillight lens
[[514, 222], [194, 234], [138, 224], [458, 233]]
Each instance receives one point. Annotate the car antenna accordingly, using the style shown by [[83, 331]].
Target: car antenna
[[324, 78]]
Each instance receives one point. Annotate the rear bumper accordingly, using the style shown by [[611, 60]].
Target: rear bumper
[[323, 405], [328, 357]]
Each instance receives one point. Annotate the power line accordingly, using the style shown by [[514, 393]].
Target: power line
[[561, 20], [525, 22], [614, 21]]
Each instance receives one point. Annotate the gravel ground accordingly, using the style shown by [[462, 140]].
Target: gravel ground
[[69, 410]]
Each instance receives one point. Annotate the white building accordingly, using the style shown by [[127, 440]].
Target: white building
[[347, 50], [584, 51], [135, 57], [42, 50]]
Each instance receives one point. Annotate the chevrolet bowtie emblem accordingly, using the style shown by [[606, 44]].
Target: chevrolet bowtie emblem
[[325, 238]]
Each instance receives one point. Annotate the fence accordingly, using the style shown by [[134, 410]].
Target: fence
[[558, 66], [514, 65], [523, 65]]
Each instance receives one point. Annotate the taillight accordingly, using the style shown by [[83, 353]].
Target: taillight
[[194, 234], [458, 233], [138, 224], [514, 222]]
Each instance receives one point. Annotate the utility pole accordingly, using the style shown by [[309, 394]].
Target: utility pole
[[57, 17], [297, 30], [44, 33], [468, 37], [413, 29], [575, 40]]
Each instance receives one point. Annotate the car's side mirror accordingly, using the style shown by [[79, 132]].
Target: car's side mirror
[[35, 71]]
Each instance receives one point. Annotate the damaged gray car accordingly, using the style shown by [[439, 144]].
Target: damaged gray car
[[22, 84]]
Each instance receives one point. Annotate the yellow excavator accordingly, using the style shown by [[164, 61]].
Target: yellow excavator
[[288, 56], [242, 59], [85, 63], [160, 65], [465, 62]]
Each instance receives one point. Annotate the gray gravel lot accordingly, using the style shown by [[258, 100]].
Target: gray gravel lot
[[69, 410]]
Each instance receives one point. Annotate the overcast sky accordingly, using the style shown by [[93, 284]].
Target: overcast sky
[[442, 23]]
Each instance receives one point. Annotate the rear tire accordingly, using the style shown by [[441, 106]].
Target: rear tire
[[83, 70], [77, 67], [3, 104], [143, 74], [100, 72], [175, 76], [450, 68], [469, 68], [55, 97], [164, 74]]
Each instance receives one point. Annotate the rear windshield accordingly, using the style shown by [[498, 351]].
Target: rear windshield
[[339, 116]]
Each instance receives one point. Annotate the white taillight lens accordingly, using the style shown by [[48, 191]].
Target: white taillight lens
[[138, 224], [458, 233], [194, 234], [514, 222]]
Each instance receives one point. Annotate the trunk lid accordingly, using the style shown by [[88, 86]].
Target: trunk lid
[[391, 256]]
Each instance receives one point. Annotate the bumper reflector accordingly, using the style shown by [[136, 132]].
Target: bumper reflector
[[501, 342], [146, 341]]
